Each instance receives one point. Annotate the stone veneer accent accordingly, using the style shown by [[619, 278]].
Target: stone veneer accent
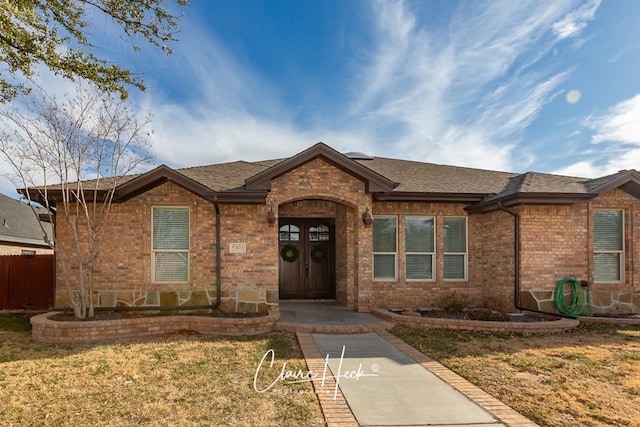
[[602, 302]]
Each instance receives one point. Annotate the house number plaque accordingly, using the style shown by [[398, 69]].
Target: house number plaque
[[238, 248]]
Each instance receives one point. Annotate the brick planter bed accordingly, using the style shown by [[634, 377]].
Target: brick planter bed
[[618, 321], [546, 327], [50, 331]]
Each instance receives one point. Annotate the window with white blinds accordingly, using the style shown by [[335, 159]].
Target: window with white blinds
[[455, 248], [608, 246], [170, 244], [385, 247], [419, 238]]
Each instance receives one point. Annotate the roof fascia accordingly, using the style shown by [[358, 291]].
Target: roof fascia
[[239, 198], [430, 197], [530, 199], [24, 241], [375, 181]]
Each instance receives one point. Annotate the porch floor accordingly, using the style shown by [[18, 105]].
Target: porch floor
[[327, 317]]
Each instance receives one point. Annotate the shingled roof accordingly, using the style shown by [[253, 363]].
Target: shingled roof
[[387, 179], [19, 225]]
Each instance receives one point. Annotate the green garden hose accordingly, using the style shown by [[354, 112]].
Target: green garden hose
[[578, 300]]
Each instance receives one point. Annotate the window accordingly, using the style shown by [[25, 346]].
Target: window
[[455, 248], [319, 233], [289, 233], [608, 246], [170, 244], [385, 243], [419, 244]]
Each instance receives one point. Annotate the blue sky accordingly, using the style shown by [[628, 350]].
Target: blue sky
[[545, 85]]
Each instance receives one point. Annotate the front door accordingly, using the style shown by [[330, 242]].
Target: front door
[[306, 248]]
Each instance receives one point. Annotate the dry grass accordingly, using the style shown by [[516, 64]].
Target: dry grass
[[185, 381], [587, 377]]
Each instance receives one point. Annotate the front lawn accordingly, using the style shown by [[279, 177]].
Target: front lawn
[[586, 377], [177, 381]]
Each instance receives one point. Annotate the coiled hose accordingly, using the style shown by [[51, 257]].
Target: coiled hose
[[578, 300]]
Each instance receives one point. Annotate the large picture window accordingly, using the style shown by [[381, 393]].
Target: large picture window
[[385, 247], [419, 238], [608, 246], [455, 248], [170, 244]]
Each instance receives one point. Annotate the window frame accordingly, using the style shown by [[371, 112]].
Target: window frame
[[395, 254], [155, 251], [621, 252], [464, 254], [407, 253]]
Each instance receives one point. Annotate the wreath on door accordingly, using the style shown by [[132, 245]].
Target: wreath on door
[[289, 253], [320, 253]]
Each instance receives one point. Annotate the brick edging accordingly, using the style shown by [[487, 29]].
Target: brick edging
[[618, 321], [50, 331], [502, 412], [546, 327], [336, 411], [333, 329]]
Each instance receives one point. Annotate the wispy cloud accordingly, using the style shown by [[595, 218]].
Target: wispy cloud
[[456, 85], [576, 21], [463, 91], [620, 124], [617, 135], [460, 89]]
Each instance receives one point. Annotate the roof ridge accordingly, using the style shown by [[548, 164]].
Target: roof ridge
[[528, 181]]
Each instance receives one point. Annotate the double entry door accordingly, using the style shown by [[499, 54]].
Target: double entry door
[[306, 258]]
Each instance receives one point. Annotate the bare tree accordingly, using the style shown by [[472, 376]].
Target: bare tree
[[70, 154]]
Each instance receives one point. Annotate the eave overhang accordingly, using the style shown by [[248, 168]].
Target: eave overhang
[[518, 199], [375, 183], [23, 241]]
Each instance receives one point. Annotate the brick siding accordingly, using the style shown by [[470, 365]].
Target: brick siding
[[556, 242]]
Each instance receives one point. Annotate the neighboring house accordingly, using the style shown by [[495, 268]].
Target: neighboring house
[[20, 230], [365, 232]]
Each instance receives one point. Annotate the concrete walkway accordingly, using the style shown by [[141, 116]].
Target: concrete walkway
[[375, 379]]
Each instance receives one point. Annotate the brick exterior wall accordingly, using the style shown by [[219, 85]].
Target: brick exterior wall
[[495, 230], [405, 293], [556, 241], [319, 189], [122, 274]]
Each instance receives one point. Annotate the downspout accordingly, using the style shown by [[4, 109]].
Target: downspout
[[218, 255], [516, 251]]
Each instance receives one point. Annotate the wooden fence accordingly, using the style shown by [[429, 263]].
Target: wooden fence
[[27, 282]]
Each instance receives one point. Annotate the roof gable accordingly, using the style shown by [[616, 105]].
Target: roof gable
[[539, 188], [155, 177], [627, 180], [374, 181]]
